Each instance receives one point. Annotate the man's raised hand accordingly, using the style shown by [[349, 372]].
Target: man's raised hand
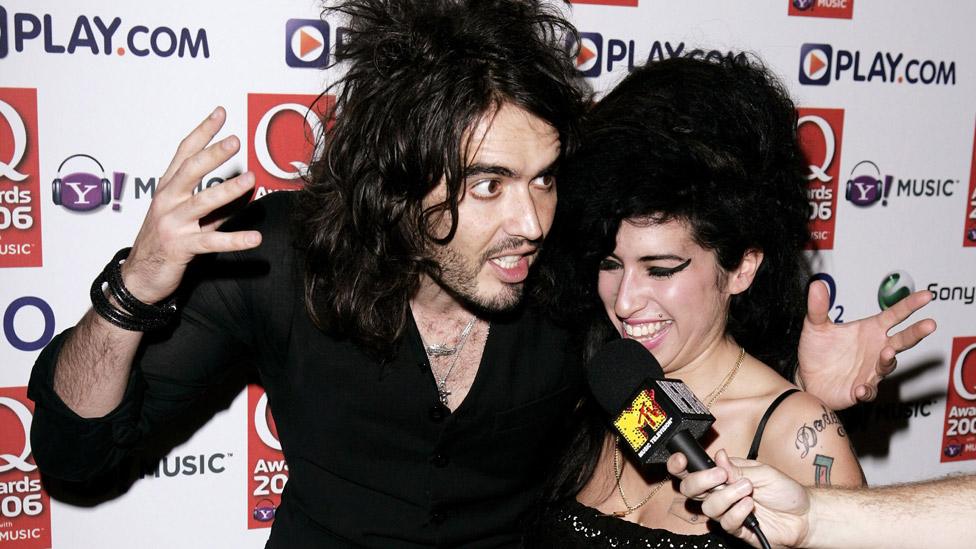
[[175, 229], [843, 363]]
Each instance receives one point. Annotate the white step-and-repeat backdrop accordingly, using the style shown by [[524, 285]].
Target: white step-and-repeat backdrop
[[95, 95]]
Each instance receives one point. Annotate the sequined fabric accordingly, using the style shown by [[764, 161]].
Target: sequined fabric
[[573, 524]]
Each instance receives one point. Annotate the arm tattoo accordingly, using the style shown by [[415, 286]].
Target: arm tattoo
[[821, 475], [806, 435]]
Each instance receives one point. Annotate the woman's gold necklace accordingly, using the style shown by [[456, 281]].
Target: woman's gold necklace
[[618, 472]]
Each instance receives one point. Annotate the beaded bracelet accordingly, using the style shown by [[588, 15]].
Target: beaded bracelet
[[134, 315]]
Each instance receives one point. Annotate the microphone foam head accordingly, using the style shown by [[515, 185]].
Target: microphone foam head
[[617, 370]]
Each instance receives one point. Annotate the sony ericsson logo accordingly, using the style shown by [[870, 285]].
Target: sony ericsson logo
[[820, 63], [9, 462], [897, 285], [98, 36], [894, 287]]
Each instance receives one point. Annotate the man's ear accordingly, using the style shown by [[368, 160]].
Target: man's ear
[[742, 276]]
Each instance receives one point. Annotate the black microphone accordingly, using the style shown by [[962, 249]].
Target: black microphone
[[654, 415]]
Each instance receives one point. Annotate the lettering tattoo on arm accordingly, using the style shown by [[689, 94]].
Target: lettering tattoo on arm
[[821, 476], [806, 435]]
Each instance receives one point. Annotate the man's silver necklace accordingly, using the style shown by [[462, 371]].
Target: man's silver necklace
[[439, 350]]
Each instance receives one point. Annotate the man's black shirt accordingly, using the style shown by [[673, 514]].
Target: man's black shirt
[[373, 457]]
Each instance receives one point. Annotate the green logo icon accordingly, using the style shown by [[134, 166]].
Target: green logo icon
[[894, 287]]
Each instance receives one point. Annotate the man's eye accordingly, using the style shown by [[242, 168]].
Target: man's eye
[[545, 181], [486, 188]]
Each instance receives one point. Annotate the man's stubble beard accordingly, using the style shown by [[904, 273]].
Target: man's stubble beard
[[460, 278]]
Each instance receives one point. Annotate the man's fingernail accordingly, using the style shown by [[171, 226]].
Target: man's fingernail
[[229, 144], [215, 114]]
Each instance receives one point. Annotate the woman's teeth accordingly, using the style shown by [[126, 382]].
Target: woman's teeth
[[646, 329]]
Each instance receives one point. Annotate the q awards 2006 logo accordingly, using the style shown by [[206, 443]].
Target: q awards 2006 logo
[[959, 429], [820, 132], [24, 505], [969, 225], [266, 463], [282, 134], [20, 212]]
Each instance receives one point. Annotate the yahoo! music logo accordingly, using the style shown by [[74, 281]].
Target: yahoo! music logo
[[867, 186], [83, 191], [833, 9]]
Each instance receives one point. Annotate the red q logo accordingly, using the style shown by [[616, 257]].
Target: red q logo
[[261, 140], [959, 376], [262, 425], [959, 427], [266, 464], [8, 167], [9, 462], [819, 132], [283, 131], [20, 213], [819, 171]]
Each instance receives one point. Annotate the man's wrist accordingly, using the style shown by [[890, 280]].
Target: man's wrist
[[809, 538]]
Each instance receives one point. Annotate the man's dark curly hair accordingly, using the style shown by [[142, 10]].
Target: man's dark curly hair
[[710, 143], [419, 75]]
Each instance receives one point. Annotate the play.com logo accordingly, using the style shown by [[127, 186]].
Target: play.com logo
[[815, 64], [98, 36], [590, 56], [820, 63]]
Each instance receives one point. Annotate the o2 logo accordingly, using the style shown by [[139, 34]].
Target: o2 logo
[[13, 330], [832, 309]]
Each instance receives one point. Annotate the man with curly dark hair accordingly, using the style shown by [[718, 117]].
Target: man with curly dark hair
[[364, 302]]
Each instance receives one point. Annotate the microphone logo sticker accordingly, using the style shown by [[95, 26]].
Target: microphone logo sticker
[[644, 412]]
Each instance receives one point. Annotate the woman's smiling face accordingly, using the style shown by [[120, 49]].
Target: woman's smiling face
[[662, 289]]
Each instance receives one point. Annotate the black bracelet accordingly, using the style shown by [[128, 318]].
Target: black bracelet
[[134, 315], [129, 302]]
